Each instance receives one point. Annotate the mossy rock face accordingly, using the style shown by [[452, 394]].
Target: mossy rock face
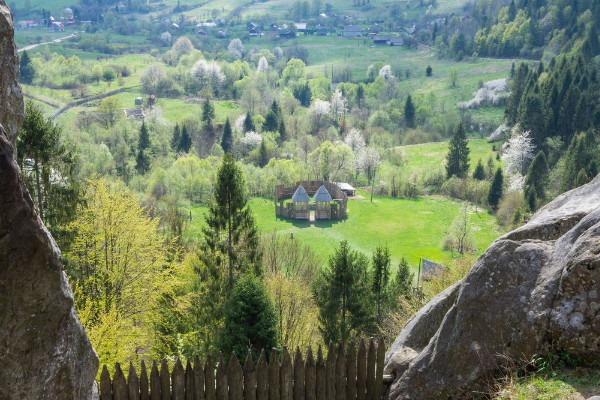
[[535, 290], [44, 350]]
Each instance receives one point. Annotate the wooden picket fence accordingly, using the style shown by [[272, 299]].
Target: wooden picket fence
[[344, 375]]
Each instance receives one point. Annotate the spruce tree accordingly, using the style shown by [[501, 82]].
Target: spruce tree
[[282, 133], [250, 321], [276, 109], [185, 143], [479, 172], [142, 162], [495, 193], [231, 237], [360, 95], [227, 139], [402, 285], [263, 154], [176, 138], [409, 112], [537, 176], [208, 113], [458, 154], [380, 280], [271, 123], [248, 123], [27, 72], [428, 70], [343, 296]]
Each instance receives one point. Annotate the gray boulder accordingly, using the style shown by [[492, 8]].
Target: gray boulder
[[536, 289], [44, 350]]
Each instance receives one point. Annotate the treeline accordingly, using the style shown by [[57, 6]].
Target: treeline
[[560, 107], [532, 28]]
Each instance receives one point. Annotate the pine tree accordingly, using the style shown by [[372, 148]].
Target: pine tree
[[185, 143], [343, 296], [402, 285], [537, 177], [231, 237], [479, 172], [428, 70], [495, 193], [458, 154], [271, 123], [176, 138], [409, 112], [26, 68], [250, 322], [360, 95], [227, 139], [142, 162], [208, 113], [380, 280], [276, 109], [282, 133], [248, 123], [263, 155]]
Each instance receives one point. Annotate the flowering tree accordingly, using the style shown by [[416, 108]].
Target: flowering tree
[[278, 52], [183, 45], [355, 140], [367, 160], [151, 77], [236, 48], [319, 114], [386, 72], [208, 73], [263, 65], [518, 153], [166, 38], [339, 105], [251, 139]]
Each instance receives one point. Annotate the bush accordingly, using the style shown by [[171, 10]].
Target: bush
[[511, 206]]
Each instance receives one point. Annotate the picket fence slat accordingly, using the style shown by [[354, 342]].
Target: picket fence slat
[[351, 371]]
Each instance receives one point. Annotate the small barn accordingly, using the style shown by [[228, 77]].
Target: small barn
[[352, 31], [300, 199], [347, 188]]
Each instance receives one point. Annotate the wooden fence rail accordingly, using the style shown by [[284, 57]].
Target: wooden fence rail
[[355, 374]]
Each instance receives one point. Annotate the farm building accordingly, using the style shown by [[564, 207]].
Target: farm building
[[352, 31], [346, 188], [329, 201], [381, 39]]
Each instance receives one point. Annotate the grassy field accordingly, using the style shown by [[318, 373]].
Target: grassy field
[[421, 157], [573, 383], [412, 228]]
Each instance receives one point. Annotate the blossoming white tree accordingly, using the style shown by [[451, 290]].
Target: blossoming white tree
[[355, 140], [251, 139], [319, 114], [518, 153], [386, 72], [236, 48], [166, 38], [208, 73], [367, 160], [263, 65], [339, 105]]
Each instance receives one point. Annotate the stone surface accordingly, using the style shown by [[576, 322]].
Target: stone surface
[[534, 290], [44, 350]]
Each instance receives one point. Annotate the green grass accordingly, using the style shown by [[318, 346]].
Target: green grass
[[421, 157], [412, 228], [576, 383]]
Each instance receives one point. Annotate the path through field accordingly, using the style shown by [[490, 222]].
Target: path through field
[[58, 40]]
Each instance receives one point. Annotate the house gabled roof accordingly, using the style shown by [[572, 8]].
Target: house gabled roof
[[300, 195], [322, 194]]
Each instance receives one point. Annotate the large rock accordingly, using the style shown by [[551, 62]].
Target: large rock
[[534, 290], [44, 350]]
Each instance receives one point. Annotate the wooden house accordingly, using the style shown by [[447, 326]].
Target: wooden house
[[322, 203]]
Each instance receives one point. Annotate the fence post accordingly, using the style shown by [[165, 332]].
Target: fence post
[[286, 376], [235, 379], [371, 359], [361, 371], [262, 377], [340, 373], [198, 380], [105, 385], [331, 372], [274, 376], [155, 383], [189, 381], [310, 384], [321, 371], [298, 376], [133, 383], [222, 392], [379, 369], [351, 373], [178, 381], [144, 384], [165, 381], [119, 384], [209, 376], [249, 372]]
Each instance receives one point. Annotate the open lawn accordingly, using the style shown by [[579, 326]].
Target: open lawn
[[412, 228]]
